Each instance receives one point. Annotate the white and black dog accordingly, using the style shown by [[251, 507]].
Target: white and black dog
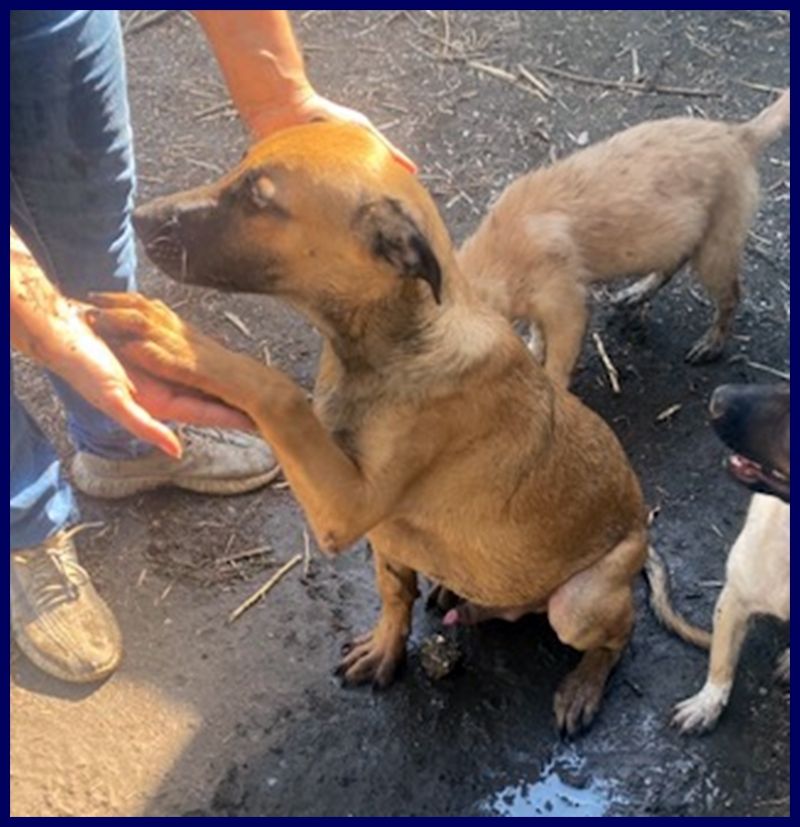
[[753, 421]]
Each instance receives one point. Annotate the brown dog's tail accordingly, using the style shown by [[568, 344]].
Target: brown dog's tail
[[655, 571], [767, 125]]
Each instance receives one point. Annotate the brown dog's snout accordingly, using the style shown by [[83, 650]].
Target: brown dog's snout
[[168, 216], [175, 231]]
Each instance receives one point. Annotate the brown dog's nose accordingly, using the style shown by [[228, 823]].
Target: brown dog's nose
[[164, 216]]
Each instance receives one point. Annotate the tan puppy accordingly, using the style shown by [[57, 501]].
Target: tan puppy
[[642, 203], [434, 432], [753, 420]]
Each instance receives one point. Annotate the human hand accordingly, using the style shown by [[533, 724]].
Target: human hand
[[176, 367], [315, 107], [266, 76], [132, 398]]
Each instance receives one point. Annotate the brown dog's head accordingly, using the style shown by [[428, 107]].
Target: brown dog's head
[[319, 214], [753, 421]]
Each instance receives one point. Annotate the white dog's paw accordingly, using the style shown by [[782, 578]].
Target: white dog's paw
[[782, 668], [701, 712]]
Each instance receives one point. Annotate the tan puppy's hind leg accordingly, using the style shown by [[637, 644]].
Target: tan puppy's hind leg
[[376, 656], [560, 312], [593, 611], [716, 264], [700, 712]]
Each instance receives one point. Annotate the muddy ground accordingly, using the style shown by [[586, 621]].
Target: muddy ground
[[247, 719]]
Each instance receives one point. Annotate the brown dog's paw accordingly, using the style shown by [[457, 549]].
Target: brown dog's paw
[[580, 694], [707, 348], [145, 334], [372, 658]]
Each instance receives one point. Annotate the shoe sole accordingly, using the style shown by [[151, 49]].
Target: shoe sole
[[51, 668], [106, 488]]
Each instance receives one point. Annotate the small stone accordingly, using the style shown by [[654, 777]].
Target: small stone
[[439, 656]]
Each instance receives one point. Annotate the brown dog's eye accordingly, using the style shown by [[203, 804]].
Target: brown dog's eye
[[262, 192]]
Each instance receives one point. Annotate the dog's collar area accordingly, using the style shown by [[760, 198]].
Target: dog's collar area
[[749, 473]]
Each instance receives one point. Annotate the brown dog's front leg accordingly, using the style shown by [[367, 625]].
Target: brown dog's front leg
[[376, 656], [341, 502]]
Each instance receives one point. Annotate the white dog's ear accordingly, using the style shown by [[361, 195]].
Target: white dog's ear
[[392, 235]]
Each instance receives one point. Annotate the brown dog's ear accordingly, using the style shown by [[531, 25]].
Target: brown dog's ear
[[392, 235]]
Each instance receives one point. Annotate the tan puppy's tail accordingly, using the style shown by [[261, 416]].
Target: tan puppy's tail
[[657, 576], [767, 125]]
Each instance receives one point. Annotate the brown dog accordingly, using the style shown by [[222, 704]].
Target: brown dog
[[434, 432], [645, 201]]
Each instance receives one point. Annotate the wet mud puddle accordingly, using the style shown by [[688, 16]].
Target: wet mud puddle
[[564, 788]]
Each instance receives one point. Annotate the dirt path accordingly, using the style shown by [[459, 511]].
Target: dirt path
[[247, 719]]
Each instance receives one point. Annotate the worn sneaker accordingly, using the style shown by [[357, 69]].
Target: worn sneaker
[[58, 619], [213, 462]]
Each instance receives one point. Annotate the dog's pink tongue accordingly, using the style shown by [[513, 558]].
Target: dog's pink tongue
[[451, 618], [744, 468]]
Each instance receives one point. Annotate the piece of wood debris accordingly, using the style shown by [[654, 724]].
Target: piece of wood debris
[[394, 107], [537, 82], [383, 127], [669, 412], [494, 71], [636, 72], [146, 22], [306, 553], [142, 577], [165, 594], [229, 544], [196, 162], [257, 551], [263, 590], [590, 80], [613, 373], [132, 18], [446, 46], [767, 369], [215, 109], [238, 324], [581, 139], [760, 87]]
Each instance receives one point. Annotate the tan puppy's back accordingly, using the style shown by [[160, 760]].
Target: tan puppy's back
[[641, 203], [635, 202]]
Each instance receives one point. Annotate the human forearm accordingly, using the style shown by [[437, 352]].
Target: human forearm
[[265, 74], [260, 60], [39, 314]]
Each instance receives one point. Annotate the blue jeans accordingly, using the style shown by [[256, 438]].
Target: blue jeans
[[72, 186]]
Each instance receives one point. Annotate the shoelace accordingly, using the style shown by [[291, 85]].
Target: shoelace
[[48, 591]]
